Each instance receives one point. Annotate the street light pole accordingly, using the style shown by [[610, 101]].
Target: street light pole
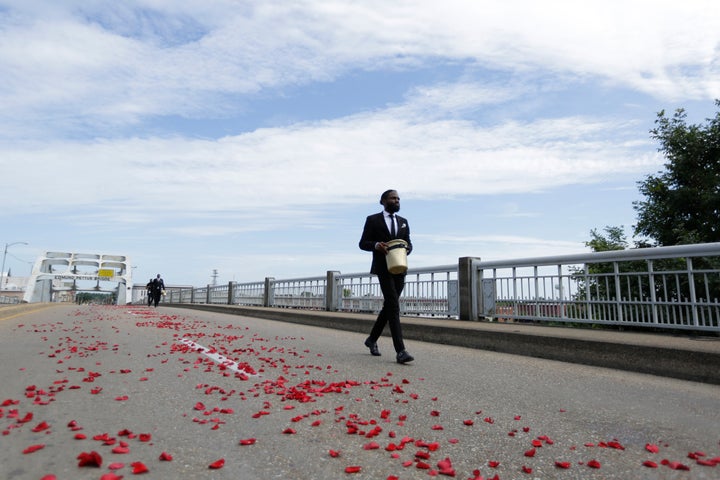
[[2, 270]]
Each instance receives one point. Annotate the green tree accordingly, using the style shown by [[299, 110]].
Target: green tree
[[615, 240], [682, 204], [595, 280]]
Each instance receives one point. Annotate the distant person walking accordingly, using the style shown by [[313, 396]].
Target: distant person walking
[[149, 291], [379, 229], [158, 289]]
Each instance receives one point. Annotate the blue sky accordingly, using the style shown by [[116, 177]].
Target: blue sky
[[254, 137]]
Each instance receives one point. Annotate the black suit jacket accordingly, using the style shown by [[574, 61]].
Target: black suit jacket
[[376, 230]]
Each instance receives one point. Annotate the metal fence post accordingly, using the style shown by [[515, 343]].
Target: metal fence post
[[232, 286], [332, 295], [268, 294], [469, 281]]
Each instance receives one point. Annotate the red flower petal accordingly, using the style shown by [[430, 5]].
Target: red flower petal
[[40, 427], [652, 448], [446, 468], [562, 464], [650, 464], [33, 448], [593, 464], [247, 441], [289, 431], [116, 466], [530, 453], [217, 464], [139, 467], [526, 469], [334, 453], [675, 465], [353, 469], [111, 476], [493, 464], [92, 459], [120, 450], [166, 457], [546, 439]]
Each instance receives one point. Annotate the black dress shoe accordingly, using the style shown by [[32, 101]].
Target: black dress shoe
[[373, 347], [404, 357]]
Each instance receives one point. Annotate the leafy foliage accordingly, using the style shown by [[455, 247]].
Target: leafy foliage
[[682, 204], [594, 280]]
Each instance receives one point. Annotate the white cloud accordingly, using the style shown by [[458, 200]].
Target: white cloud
[[90, 64], [297, 165]]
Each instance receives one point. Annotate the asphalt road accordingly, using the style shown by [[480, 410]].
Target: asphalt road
[[275, 400]]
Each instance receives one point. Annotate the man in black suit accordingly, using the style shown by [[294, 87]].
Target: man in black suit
[[158, 289], [379, 229], [150, 293]]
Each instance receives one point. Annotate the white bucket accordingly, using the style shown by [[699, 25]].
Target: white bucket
[[397, 256]]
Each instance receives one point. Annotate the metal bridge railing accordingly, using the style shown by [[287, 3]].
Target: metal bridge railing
[[666, 287], [7, 299], [429, 291]]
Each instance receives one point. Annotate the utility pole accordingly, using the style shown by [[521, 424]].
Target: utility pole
[[2, 269], [214, 277]]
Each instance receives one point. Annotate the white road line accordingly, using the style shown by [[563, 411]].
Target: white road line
[[216, 357]]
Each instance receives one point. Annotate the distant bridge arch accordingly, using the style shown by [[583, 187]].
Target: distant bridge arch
[[56, 275]]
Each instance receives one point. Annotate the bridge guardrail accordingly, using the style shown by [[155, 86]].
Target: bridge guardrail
[[674, 287]]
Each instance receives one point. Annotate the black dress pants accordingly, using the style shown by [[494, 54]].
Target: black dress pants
[[391, 287]]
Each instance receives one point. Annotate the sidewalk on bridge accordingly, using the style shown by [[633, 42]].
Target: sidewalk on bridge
[[678, 354]]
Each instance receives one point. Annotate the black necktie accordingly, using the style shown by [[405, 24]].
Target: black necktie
[[392, 226]]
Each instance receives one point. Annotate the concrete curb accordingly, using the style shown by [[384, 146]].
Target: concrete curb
[[684, 357]]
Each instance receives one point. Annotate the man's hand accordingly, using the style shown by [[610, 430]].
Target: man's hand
[[382, 246]]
